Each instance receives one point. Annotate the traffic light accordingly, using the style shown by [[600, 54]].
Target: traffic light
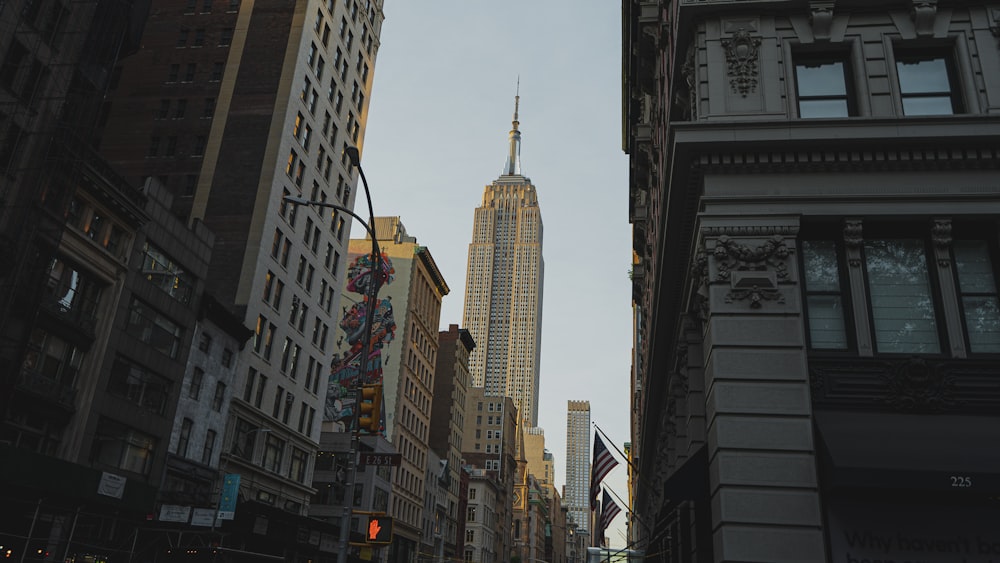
[[379, 530], [371, 407]]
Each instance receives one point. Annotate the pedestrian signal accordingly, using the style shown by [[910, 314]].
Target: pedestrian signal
[[379, 530]]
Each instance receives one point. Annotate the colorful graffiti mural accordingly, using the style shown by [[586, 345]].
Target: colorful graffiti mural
[[347, 372]]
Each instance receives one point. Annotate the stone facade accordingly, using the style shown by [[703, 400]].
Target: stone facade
[[797, 269]]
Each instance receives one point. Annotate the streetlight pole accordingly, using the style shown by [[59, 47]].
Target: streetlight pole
[[363, 361]]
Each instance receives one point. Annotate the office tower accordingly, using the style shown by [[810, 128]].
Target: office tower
[[234, 105], [541, 462], [817, 307], [577, 488], [403, 357], [503, 291], [451, 384]]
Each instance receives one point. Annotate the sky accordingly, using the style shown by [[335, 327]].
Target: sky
[[440, 111]]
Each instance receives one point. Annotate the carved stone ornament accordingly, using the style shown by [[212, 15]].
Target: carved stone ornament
[[756, 295], [770, 255], [821, 18], [915, 385], [741, 58], [852, 240], [941, 235], [690, 73], [924, 12]]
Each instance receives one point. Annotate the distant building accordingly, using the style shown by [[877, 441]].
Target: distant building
[[503, 291], [576, 493], [489, 442], [483, 520], [451, 383], [814, 201]]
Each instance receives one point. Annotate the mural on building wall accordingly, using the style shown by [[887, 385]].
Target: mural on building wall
[[346, 373]]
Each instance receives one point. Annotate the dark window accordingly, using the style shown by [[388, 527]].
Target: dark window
[[194, 390], [927, 83], [226, 37], [208, 448], [824, 296], [138, 385], [216, 72], [978, 297], [220, 396], [901, 300], [185, 437]]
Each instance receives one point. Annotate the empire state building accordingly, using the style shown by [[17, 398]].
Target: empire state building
[[503, 292]]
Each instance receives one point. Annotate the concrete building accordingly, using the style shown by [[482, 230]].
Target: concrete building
[[489, 441], [483, 522], [404, 357], [814, 201], [451, 383], [233, 105], [503, 288], [576, 492]]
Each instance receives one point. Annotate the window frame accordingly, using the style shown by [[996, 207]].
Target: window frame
[[947, 52]]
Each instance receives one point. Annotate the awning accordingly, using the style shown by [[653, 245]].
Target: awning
[[910, 451], [690, 480]]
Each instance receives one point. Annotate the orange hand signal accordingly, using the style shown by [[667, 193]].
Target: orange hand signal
[[373, 529]]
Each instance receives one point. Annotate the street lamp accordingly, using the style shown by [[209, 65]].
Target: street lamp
[[363, 362]]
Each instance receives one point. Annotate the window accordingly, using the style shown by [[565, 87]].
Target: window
[[216, 72], [824, 299], [978, 295], [154, 329], [123, 447], [194, 389], [220, 396], [139, 385], [823, 87], [248, 389], [273, 450], [298, 465], [209, 108], [227, 358], [173, 72], [902, 306], [189, 72], [199, 146], [208, 448], [906, 277], [226, 37], [185, 437], [164, 109], [470, 515], [926, 82], [205, 342], [199, 37]]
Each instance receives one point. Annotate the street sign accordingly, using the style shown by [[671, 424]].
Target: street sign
[[380, 459]]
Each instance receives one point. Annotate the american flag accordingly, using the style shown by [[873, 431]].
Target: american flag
[[603, 464], [609, 509]]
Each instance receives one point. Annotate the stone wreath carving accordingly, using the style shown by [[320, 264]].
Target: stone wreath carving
[[753, 273], [915, 385], [741, 57], [941, 235], [731, 256]]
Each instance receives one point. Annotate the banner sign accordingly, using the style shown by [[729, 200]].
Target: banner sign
[[230, 491]]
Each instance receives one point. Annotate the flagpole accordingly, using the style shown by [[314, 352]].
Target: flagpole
[[631, 513], [634, 469]]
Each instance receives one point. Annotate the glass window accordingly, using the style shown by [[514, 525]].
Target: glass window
[[208, 448], [902, 305], [822, 87], [154, 329], [165, 273], [273, 449], [978, 295], [926, 83], [139, 385], [117, 445], [185, 437], [824, 298]]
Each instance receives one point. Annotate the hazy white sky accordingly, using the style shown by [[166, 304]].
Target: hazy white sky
[[441, 108]]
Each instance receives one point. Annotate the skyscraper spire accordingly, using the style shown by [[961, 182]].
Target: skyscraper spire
[[513, 166]]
